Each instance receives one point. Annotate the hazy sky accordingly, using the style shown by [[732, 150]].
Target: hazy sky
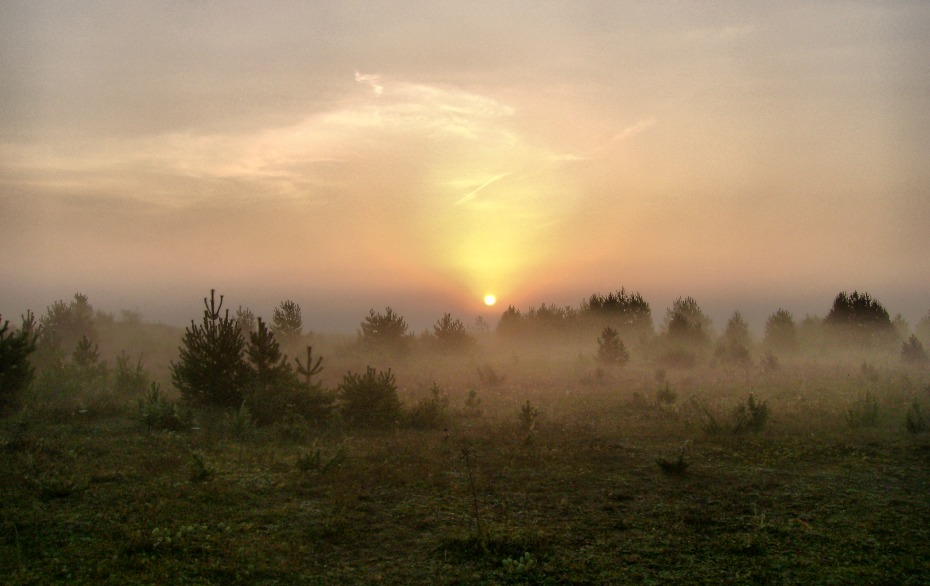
[[353, 155]]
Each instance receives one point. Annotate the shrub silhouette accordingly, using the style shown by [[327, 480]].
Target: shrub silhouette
[[781, 334], [211, 369], [451, 335], [384, 333], [370, 400]]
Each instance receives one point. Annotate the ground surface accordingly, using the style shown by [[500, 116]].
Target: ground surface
[[577, 499]]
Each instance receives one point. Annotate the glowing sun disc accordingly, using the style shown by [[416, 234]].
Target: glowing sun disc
[[490, 300]]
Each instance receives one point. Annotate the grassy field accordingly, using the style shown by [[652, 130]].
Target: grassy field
[[596, 480]]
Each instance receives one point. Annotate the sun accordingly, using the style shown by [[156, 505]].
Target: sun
[[490, 300]]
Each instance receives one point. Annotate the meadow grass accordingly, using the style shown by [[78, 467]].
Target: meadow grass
[[573, 497]]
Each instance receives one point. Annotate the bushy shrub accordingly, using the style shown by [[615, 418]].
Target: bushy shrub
[[430, 413], [370, 399]]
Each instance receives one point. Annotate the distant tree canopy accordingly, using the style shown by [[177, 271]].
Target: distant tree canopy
[[626, 312], [860, 318]]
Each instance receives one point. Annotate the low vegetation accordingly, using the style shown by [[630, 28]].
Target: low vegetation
[[462, 459]]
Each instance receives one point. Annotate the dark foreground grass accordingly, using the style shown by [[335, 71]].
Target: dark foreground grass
[[103, 501]]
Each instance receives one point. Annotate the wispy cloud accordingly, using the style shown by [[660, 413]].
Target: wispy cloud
[[473, 193], [374, 81], [631, 131]]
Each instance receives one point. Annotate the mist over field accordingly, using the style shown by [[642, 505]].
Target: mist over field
[[464, 293]]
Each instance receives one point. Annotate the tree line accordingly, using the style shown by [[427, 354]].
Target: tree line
[[230, 359]]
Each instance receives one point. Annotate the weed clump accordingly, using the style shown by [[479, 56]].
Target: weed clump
[[199, 470], [529, 417], [317, 459], [158, 413], [750, 416], [472, 405], [666, 395], [864, 412], [676, 467], [914, 420]]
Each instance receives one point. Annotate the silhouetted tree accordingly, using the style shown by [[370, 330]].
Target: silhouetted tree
[[269, 366], [211, 369], [245, 320], [384, 332], [687, 334], [451, 334], [286, 322], [480, 327], [781, 334], [63, 326], [511, 324], [912, 351], [902, 329], [733, 346], [611, 350], [859, 318], [310, 368], [922, 329], [686, 323], [626, 311], [15, 370]]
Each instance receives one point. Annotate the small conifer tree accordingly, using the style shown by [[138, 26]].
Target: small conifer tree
[[211, 369], [610, 348], [15, 369], [370, 399], [287, 322]]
